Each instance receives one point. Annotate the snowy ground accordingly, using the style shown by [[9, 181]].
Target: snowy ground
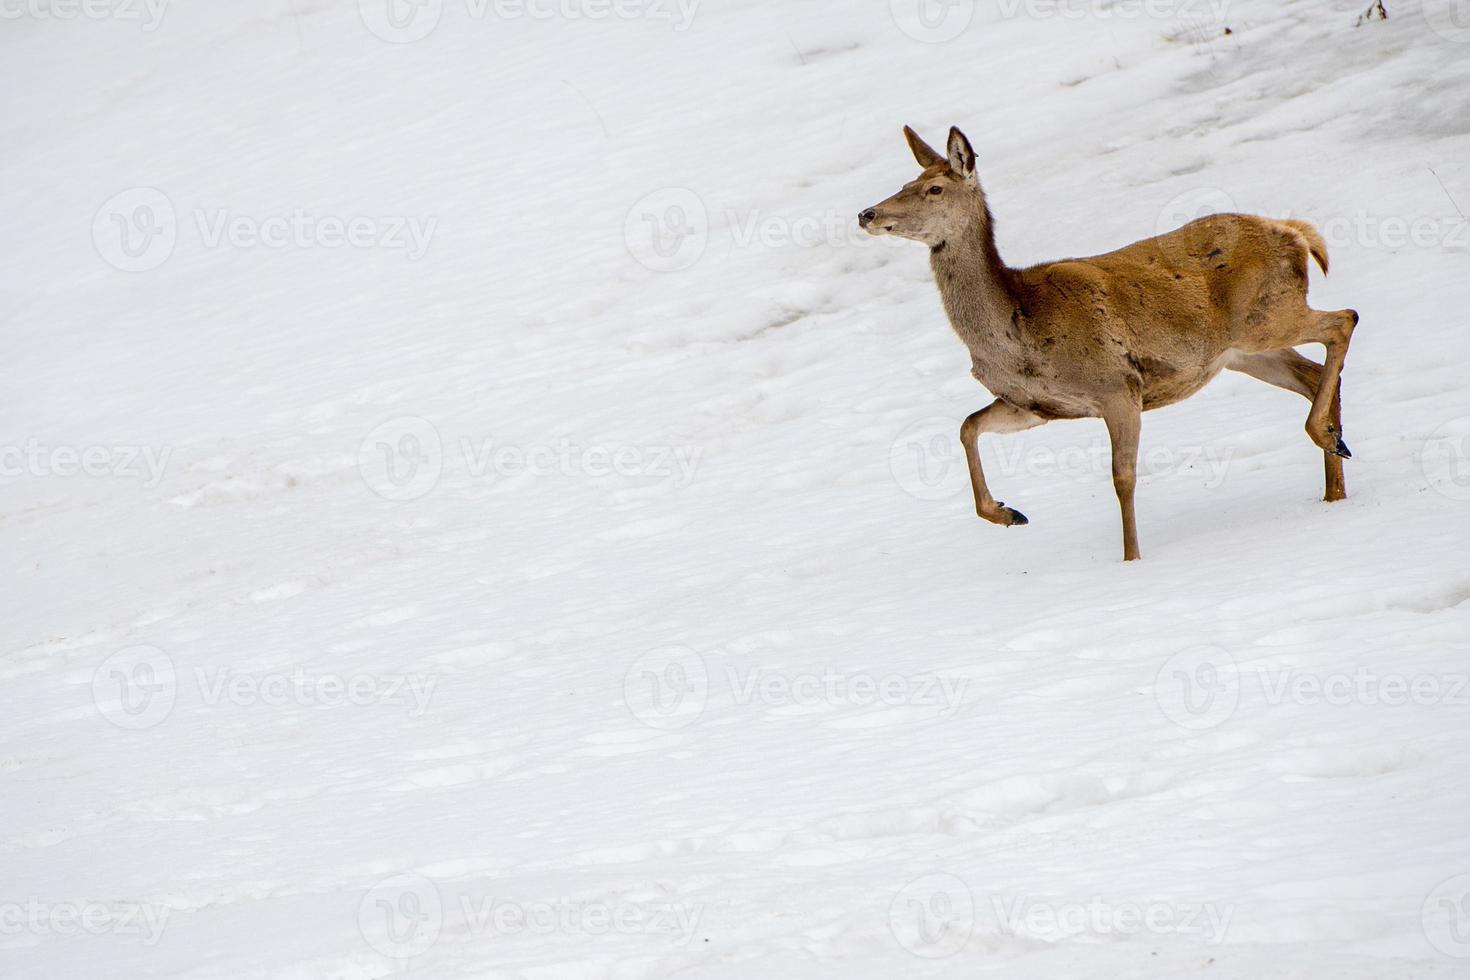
[[473, 506]]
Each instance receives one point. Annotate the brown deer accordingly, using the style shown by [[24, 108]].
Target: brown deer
[[1115, 335]]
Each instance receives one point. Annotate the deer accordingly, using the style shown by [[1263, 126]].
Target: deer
[[1112, 336]]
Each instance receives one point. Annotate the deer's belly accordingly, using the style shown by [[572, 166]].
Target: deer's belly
[[1164, 384], [1042, 392], [1036, 392]]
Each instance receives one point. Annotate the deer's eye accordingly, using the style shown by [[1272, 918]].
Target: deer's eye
[[936, 190]]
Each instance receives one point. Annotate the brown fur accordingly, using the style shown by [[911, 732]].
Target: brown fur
[[1111, 336]]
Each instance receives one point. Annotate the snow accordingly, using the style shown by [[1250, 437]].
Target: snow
[[485, 511]]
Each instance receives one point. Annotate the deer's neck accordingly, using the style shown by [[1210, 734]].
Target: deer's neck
[[978, 289]]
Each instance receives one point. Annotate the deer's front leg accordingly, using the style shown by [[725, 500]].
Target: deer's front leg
[[1125, 420], [999, 417]]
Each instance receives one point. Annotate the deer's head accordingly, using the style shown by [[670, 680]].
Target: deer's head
[[940, 203]]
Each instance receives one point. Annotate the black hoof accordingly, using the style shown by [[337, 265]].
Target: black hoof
[[1016, 518], [1342, 450]]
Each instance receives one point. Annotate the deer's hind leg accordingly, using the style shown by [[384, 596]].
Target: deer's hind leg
[[1290, 370], [1333, 331]]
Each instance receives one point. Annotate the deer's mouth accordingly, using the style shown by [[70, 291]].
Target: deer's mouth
[[870, 222]]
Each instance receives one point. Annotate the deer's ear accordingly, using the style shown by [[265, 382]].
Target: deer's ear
[[923, 152], [961, 155]]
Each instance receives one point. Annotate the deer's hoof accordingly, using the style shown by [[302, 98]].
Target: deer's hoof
[[1010, 517]]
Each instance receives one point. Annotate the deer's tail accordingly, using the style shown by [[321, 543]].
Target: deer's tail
[[1311, 239]]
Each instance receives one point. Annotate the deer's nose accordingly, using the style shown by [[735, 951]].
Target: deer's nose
[[866, 217]]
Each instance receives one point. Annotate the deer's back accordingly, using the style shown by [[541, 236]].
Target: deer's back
[[1167, 309]]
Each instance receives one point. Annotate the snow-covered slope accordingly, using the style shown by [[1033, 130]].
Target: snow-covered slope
[[473, 506]]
